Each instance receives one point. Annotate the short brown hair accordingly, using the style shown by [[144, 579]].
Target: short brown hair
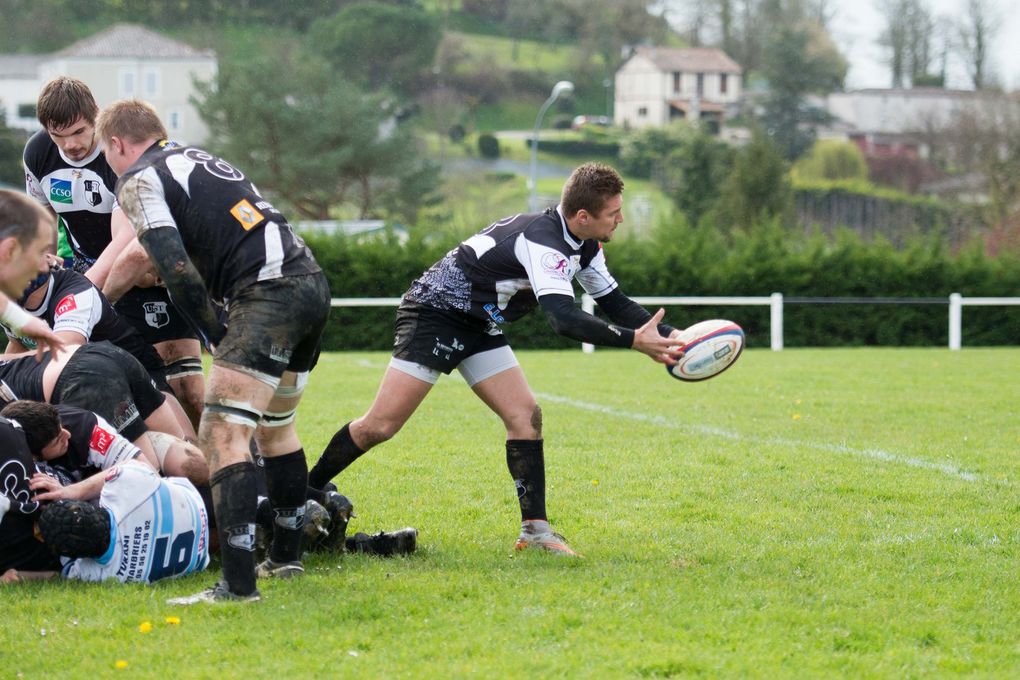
[[130, 119], [589, 187], [64, 100], [39, 421], [20, 217]]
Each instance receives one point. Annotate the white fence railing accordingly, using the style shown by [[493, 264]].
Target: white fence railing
[[775, 302]]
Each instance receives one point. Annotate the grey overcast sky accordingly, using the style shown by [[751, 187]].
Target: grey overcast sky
[[857, 23]]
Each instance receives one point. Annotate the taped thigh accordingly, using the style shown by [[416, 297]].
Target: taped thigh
[[233, 411]]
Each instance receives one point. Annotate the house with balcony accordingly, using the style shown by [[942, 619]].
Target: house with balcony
[[657, 85], [124, 61]]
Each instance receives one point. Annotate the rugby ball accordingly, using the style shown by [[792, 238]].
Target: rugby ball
[[710, 347]]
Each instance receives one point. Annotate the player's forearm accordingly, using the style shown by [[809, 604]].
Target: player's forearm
[[622, 310], [122, 234], [568, 321], [185, 284], [131, 264]]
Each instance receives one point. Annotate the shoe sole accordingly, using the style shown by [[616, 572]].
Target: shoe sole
[[554, 548]]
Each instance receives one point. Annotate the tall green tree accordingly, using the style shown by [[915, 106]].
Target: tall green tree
[[12, 144], [757, 188], [309, 136], [380, 46]]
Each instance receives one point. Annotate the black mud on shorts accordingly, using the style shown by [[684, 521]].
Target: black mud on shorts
[[276, 325], [106, 380], [151, 313], [441, 339]]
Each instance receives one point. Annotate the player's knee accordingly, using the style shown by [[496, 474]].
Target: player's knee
[[536, 420], [525, 423], [372, 432]]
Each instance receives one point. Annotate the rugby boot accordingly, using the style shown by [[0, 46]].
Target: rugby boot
[[538, 534], [217, 594], [340, 511], [385, 543], [270, 569]]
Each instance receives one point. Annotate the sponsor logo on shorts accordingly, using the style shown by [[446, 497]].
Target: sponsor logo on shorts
[[113, 473], [245, 213], [60, 191], [443, 350], [101, 440], [280, 354], [93, 192], [493, 312], [66, 305], [242, 537], [156, 314]]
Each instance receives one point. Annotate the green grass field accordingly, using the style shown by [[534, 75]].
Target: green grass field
[[811, 513]]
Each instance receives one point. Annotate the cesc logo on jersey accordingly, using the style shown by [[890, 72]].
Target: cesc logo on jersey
[[245, 213], [60, 191]]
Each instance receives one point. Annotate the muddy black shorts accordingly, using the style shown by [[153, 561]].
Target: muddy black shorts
[[275, 326], [108, 381], [151, 313], [441, 339]]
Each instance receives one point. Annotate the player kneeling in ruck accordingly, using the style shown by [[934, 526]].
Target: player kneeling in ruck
[[105, 379], [144, 528], [77, 444]]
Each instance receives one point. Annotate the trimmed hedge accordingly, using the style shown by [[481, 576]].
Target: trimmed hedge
[[681, 260]]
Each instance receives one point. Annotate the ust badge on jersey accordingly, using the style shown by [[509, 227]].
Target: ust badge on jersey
[[93, 194], [245, 213], [60, 191], [156, 314]]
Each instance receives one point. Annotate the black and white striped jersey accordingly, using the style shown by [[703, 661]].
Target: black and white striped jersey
[[73, 303], [232, 235], [81, 192], [499, 273]]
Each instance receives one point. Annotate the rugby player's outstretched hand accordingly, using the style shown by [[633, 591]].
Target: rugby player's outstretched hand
[[44, 337], [648, 341]]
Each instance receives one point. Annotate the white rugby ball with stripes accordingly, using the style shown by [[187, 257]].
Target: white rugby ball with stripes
[[710, 347]]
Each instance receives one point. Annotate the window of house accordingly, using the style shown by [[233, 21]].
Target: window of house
[[676, 81], [151, 82], [701, 84], [26, 110], [723, 82], [173, 120], [642, 111], [127, 83]]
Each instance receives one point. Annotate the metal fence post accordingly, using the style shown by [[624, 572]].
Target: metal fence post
[[955, 320], [776, 306]]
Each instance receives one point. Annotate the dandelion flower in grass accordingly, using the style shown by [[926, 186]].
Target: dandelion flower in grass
[[173, 620], [144, 627], [594, 482], [121, 664], [796, 416]]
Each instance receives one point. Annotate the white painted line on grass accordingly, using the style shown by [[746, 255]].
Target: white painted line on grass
[[661, 421]]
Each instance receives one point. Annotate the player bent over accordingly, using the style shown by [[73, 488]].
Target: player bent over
[[451, 317], [145, 528], [212, 237]]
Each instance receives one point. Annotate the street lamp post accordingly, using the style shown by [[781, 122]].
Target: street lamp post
[[562, 87]]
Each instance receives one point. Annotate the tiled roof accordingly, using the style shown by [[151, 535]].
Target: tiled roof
[[690, 59], [130, 40]]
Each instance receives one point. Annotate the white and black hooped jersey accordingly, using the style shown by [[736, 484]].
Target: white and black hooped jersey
[[18, 547], [232, 235], [94, 444], [81, 192], [73, 303], [160, 528], [530, 254]]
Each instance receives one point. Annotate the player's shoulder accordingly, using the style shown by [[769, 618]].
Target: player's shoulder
[[38, 150], [69, 281]]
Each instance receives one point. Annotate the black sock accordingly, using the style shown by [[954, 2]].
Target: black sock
[[287, 479], [526, 461], [205, 491], [338, 454], [234, 497]]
